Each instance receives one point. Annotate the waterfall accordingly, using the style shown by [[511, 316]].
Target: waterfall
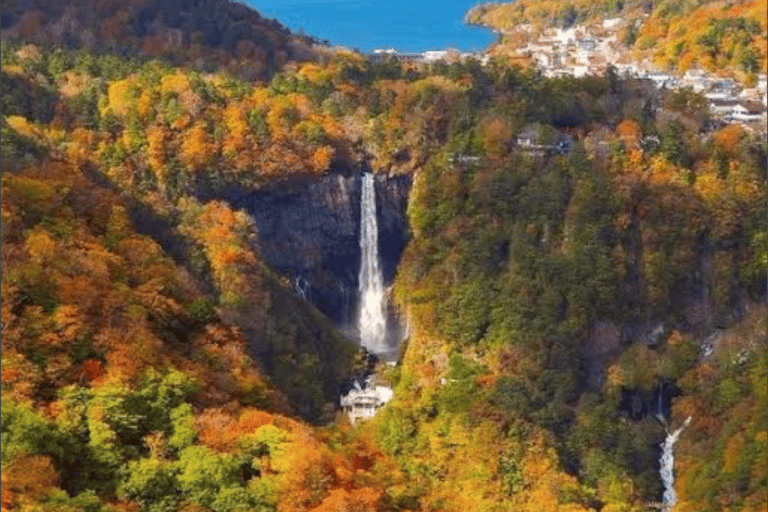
[[659, 406], [667, 463], [303, 288], [372, 321]]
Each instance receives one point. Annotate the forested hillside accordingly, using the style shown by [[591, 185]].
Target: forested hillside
[[205, 34], [725, 37], [604, 248]]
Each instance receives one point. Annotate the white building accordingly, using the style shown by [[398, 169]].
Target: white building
[[659, 79], [566, 37], [612, 23], [582, 56], [697, 79], [434, 55], [580, 71], [762, 86], [748, 112], [722, 107], [762, 82], [362, 403]]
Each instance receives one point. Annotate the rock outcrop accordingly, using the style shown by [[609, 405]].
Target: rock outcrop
[[309, 230]]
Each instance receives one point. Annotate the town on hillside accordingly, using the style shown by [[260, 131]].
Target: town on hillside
[[580, 51]]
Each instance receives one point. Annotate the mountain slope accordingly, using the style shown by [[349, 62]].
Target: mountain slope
[[208, 34], [573, 245]]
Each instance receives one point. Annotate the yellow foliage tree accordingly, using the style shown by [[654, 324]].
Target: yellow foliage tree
[[496, 135], [197, 148], [157, 140], [41, 246], [629, 132], [122, 96], [321, 158], [26, 480]]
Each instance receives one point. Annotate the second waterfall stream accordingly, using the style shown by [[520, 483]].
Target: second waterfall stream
[[667, 467]]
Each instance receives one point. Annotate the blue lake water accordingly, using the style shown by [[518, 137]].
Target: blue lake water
[[406, 26]]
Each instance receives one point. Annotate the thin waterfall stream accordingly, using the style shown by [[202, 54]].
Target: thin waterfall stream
[[667, 467]]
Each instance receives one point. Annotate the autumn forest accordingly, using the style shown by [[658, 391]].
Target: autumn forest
[[155, 360]]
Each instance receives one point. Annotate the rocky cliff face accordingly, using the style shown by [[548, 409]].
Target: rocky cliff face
[[309, 230]]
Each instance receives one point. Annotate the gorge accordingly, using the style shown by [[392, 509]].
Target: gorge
[[339, 238], [200, 272], [312, 230]]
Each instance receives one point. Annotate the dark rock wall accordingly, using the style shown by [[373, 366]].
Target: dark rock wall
[[309, 230], [657, 403]]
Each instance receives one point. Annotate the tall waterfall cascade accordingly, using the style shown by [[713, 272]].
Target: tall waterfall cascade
[[667, 463], [365, 399], [372, 320]]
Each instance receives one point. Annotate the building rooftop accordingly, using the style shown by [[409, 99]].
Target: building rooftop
[[363, 401]]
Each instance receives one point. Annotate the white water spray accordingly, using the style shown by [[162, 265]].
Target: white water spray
[[302, 287], [372, 320], [667, 462]]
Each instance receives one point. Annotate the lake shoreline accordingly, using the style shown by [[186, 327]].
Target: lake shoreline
[[404, 27]]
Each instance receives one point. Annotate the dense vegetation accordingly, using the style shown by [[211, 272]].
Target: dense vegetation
[[205, 34], [526, 268], [726, 37], [152, 361], [720, 465]]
